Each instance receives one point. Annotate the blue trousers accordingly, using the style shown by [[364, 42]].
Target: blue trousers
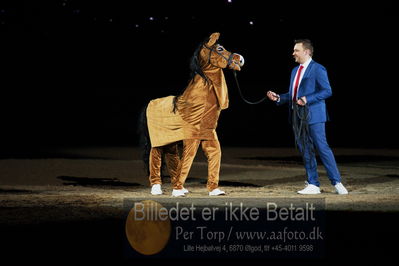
[[318, 136]]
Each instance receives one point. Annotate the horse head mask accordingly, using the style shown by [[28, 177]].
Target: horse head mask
[[218, 56]]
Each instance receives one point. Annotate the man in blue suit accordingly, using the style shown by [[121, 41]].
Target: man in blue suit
[[309, 88]]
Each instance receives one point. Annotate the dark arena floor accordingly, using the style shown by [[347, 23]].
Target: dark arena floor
[[71, 206]]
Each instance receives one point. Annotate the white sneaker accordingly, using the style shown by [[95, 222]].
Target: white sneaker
[[156, 189], [178, 193], [310, 190], [216, 192], [340, 189], [185, 190]]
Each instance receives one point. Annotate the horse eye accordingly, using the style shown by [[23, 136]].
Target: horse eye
[[220, 48]]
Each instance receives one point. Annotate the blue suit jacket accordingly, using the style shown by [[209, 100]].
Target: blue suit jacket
[[316, 87]]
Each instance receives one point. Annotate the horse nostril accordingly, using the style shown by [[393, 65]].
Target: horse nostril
[[242, 61], [238, 59]]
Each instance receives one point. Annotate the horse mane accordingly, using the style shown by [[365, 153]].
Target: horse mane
[[195, 68]]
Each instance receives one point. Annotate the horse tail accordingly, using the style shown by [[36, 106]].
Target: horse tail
[[144, 138]]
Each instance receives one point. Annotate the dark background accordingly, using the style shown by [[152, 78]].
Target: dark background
[[78, 72]]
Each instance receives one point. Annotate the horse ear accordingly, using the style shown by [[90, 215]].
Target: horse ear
[[213, 38]]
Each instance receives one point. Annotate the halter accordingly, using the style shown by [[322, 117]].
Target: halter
[[229, 61], [212, 49]]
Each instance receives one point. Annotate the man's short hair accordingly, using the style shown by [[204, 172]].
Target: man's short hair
[[307, 44]]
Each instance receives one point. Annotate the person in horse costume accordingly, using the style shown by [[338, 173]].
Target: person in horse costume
[[191, 118]]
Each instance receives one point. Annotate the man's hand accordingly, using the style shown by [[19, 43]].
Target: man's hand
[[273, 96], [301, 101]]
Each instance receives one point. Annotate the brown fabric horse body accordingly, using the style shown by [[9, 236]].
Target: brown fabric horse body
[[193, 116]]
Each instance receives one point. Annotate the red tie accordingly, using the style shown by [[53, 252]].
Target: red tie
[[296, 83]]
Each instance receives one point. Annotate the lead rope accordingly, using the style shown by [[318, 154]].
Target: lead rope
[[300, 125], [242, 96]]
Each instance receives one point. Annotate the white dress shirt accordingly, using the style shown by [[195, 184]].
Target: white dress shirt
[[305, 66]]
